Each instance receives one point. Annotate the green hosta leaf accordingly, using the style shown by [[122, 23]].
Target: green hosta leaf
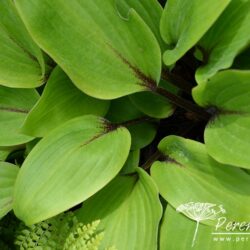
[[132, 162], [68, 166], [8, 174], [14, 107], [184, 22], [225, 39], [21, 61], [149, 10], [227, 135], [142, 134], [171, 239], [152, 104], [122, 110], [129, 209], [105, 55], [60, 102], [189, 174]]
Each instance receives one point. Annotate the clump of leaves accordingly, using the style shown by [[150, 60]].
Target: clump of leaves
[[107, 105]]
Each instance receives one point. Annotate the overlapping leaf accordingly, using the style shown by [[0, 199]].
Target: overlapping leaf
[[149, 10], [68, 166], [60, 102], [14, 107], [4, 154], [129, 210], [227, 135], [8, 174], [184, 22], [132, 162], [122, 111], [225, 39], [152, 104], [103, 54], [21, 61], [189, 174]]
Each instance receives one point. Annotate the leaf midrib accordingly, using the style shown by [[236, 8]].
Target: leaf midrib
[[13, 110]]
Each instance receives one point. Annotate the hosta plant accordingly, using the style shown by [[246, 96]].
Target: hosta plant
[[125, 124]]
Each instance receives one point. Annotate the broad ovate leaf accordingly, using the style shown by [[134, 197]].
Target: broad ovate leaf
[[227, 135], [225, 39], [149, 10], [8, 174], [68, 166], [190, 177], [21, 61], [105, 55], [203, 238], [184, 22], [14, 107], [129, 210], [60, 102]]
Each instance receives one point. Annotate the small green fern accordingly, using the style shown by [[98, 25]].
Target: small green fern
[[83, 237], [62, 232]]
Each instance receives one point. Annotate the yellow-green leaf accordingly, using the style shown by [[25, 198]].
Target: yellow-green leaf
[[105, 55], [21, 60], [69, 165]]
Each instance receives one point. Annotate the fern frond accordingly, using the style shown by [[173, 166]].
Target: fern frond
[[62, 232], [49, 234], [34, 237], [84, 237]]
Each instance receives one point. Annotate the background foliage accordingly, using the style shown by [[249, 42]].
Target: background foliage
[[124, 123]]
